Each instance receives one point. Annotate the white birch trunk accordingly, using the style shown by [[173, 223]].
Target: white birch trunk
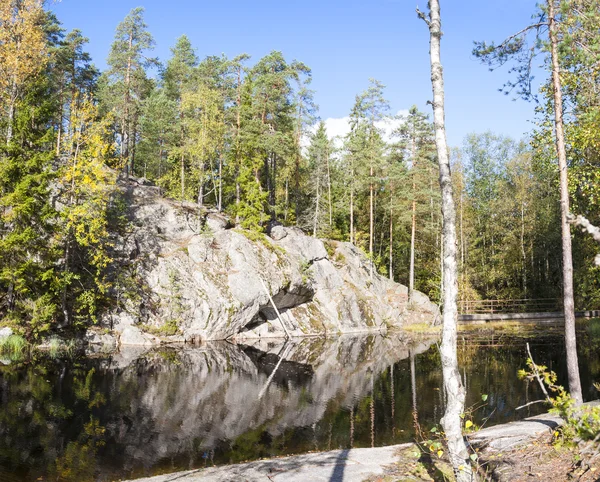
[[453, 387]]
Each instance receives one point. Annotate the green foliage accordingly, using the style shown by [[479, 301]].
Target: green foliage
[[13, 345], [581, 423]]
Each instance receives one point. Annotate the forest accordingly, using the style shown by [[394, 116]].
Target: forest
[[243, 136]]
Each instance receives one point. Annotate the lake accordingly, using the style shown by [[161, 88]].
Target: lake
[[143, 412]]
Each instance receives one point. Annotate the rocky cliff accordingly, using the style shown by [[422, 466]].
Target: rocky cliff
[[189, 275]]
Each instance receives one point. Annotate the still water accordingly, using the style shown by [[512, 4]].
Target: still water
[[144, 412]]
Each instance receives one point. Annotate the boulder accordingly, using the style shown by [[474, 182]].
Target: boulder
[[217, 222], [219, 283], [5, 332]]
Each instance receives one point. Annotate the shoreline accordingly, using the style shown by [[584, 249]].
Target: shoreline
[[357, 465]]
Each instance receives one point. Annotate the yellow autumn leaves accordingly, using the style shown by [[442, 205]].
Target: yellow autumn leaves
[[23, 51], [86, 181]]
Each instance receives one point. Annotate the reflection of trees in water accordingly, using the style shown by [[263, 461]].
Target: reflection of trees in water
[[136, 414], [47, 424]]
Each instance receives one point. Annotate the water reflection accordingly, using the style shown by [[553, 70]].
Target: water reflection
[[144, 412]]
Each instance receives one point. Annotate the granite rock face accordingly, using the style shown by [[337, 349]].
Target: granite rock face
[[197, 278]]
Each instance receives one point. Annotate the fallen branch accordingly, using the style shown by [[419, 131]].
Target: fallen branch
[[287, 333], [531, 403]]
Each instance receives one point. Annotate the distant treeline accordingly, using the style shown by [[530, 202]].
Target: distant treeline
[[243, 137]]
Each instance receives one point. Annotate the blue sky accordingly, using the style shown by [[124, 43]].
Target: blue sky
[[345, 43]]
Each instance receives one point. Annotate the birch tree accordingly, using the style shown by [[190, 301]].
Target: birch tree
[[23, 51], [453, 387]]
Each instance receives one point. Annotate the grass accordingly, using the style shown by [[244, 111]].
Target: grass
[[257, 237], [593, 327], [13, 345], [169, 328], [422, 328], [58, 347]]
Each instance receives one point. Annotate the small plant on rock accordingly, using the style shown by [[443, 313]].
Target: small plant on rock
[[581, 427]]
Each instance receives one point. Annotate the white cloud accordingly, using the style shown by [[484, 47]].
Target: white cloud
[[338, 127]]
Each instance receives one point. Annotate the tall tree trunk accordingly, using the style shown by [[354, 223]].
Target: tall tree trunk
[[287, 199], [329, 189], [125, 126], [462, 237], [133, 146], [352, 207], [569, 304], [411, 271], [297, 166], [391, 269], [238, 189], [523, 255], [182, 167], [371, 227], [318, 201], [220, 198], [61, 108], [453, 387], [160, 164]]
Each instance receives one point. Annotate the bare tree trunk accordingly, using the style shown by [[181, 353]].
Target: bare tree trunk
[[287, 200], [523, 255], [220, 199], [318, 200], [237, 146], [391, 273], [453, 387], [371, 227], [371, 212], [352, 208], [297, 164], [133, 146], [569, 304], [125, 126], [411, 271], [462, 238], [329, 190], [160, 164], [182, 178]]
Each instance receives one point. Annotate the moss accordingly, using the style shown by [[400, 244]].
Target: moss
[[330, 247], [365, 310], [170, 328], [339, 258], [257, 237]]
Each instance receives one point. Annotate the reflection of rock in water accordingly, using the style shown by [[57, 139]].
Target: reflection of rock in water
[[173, 402], [287, 372]]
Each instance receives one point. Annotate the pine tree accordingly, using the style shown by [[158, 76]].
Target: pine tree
[[127, 84], [320, 213], [416, 139], [27, 218], [369, 108], [159, 131], [177, 78]]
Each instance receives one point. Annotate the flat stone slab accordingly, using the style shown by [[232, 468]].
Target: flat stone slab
[[510, 435], [336, 466]]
